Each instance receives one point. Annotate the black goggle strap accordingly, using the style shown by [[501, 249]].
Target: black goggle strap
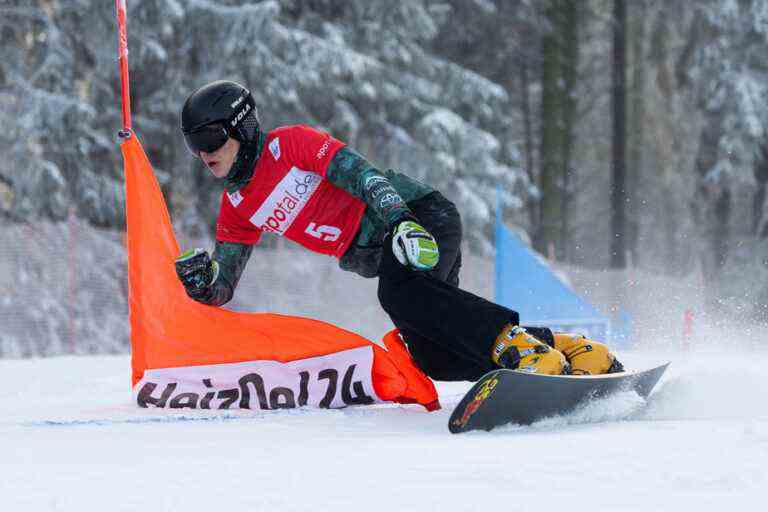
[[207, 138]]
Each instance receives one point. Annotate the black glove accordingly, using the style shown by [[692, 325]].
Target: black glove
[[197, 273]]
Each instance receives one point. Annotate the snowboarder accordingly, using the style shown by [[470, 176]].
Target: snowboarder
[[304, 184]]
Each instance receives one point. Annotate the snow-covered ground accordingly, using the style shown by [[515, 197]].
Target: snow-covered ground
[[70, 439]]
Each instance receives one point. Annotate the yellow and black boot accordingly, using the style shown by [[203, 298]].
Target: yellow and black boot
[[586, 357], [515, 349]]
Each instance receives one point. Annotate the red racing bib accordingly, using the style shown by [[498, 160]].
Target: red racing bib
[[289, 195]]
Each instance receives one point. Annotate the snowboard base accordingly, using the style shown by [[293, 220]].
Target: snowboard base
[[511, 396]]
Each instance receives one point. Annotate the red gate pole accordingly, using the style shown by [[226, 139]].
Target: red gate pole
[[122, 56], [687, 329], [72, 278]]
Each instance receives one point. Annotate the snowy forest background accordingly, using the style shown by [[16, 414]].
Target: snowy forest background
[[467, 95]]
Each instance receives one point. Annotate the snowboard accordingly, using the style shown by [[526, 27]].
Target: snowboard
[[511, 396]]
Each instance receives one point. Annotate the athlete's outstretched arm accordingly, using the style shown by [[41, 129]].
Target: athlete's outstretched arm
[[352, 172], [209, 280], [231, 258]]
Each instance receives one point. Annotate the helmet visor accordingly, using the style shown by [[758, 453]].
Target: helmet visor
[[207, 139]]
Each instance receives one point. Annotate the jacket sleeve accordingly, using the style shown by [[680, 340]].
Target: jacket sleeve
[[350, 171], [231, 257]]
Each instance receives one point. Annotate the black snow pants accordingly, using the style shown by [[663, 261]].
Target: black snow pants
[[449, 332]]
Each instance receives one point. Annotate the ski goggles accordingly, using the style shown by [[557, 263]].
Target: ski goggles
[[208, 139]]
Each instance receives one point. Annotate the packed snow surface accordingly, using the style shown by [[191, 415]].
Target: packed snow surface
[[71, 439]]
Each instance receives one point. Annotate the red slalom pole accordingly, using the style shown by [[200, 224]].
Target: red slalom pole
[[687, 329], [122, 56]]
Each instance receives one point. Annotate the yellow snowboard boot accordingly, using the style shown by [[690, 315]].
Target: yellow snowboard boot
[[515, 349], [586, 357]]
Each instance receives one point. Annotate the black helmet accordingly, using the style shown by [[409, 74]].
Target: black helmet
[[217, 111]]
